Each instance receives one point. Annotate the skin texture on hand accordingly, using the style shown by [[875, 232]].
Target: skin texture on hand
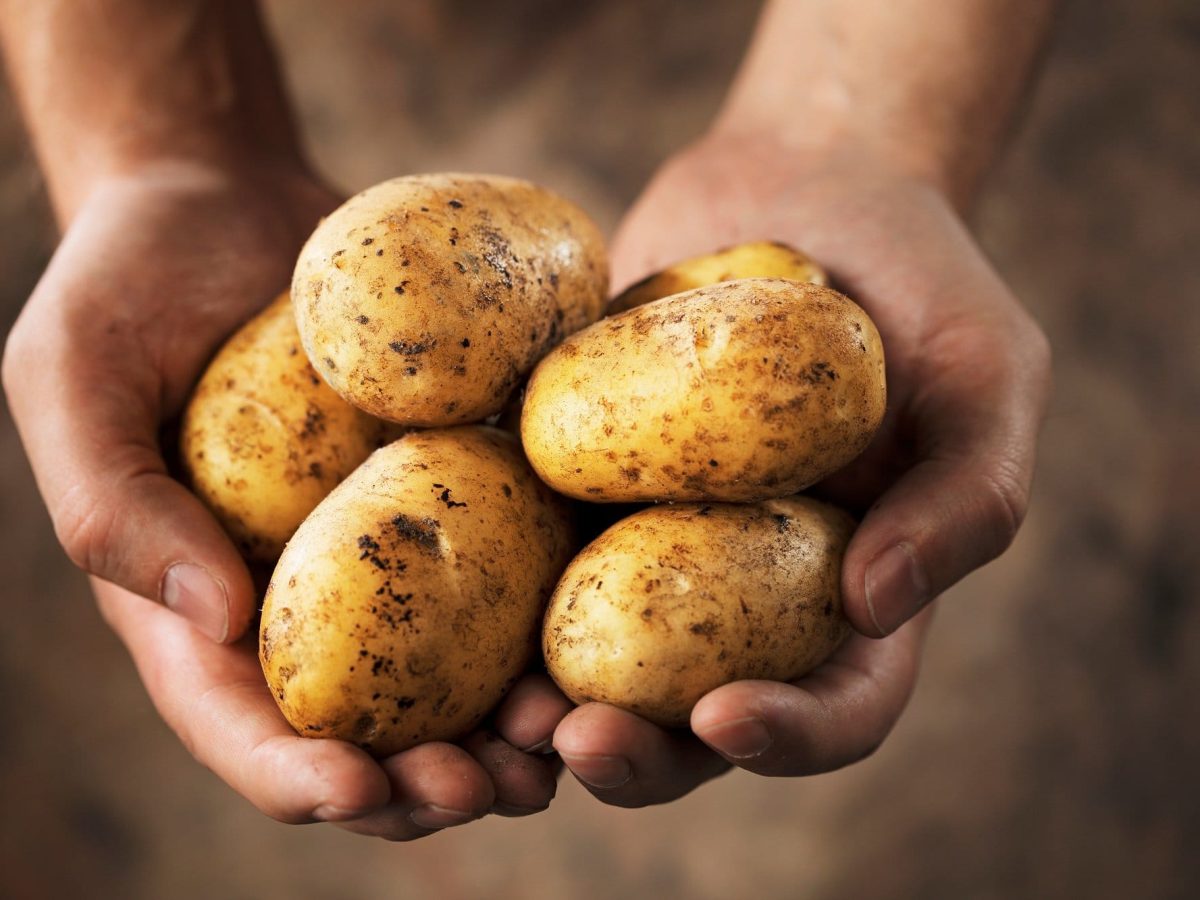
[[171, 161], [141, 112], [156, 270], [941, 490], [153, 274], [214, 697]]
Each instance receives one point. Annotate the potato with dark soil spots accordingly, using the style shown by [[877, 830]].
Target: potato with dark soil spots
[[755, 259], [410, 600], [744, 390], [264, 439], [425, 300], [675, 601]]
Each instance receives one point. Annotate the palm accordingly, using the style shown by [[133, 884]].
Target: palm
[[155, 272], [158, 274], [864, 234], [942, 482]]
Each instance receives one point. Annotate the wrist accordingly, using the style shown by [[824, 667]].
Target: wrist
[[285, 197], [111, 87], [927, 88], [832, 152], [185, 159]]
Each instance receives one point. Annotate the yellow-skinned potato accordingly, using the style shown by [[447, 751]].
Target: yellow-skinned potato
[[675, 601], [740, 391], [264, 439], [756, 259], [425, 300], [410, 600]]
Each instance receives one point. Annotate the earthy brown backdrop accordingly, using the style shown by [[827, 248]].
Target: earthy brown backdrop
[[1050, 749]]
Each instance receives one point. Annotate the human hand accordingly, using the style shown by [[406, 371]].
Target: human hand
[[215, 699], [155, 271], [944, 484]]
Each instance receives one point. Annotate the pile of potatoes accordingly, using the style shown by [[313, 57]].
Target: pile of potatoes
[[422, 555]]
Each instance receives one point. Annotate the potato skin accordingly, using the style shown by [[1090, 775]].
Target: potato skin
[[410, 600], [675, 601], [264, 439], [740, 391], [755, 259], [425, 300]]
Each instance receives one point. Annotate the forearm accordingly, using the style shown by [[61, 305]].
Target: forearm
[[110, 85], [932, 85]]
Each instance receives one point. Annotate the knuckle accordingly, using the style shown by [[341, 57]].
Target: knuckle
[[16, 353], [85, 525], [1036, 352], [1043, 366], [1004, 501], [200, 710], [1040, 349]]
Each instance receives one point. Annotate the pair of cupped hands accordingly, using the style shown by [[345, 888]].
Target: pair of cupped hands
[[161, 263]]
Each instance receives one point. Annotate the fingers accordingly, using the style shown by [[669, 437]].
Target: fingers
[[89, 423], [835, 716], [975, 415], [626, 761], [524, 784], [214, 697], [530, 712], [436, 786], [433, 786]]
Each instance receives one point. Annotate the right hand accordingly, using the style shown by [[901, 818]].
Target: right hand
[[215, 698], [157, 268]]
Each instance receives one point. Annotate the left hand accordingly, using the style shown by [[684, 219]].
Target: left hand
[[944, 484]]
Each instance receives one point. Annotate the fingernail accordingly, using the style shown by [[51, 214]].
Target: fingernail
[[543, 748], [738, 738], [896, 588], [327, 813], [433, 817], [194, 594], [602, 772]]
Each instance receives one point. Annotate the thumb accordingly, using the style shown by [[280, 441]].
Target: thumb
[[91, 437], [961, 504]]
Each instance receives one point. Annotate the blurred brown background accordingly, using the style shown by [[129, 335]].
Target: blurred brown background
[[1051, 748]]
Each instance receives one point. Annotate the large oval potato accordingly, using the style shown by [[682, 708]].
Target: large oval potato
[[740, 391], [675, 601], [754, 259], [409, 601], [264, 439], [425, 300]]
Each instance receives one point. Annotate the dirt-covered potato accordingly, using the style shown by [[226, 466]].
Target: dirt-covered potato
[[425, 300], [756, 259], [264, 439], [675, 601], [743, 390], [410, 600]]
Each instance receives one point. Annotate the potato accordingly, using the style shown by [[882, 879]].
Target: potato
[[741, 391], [264, 439], [675, 601], [410, 600], [756, 259], [425, 300]]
